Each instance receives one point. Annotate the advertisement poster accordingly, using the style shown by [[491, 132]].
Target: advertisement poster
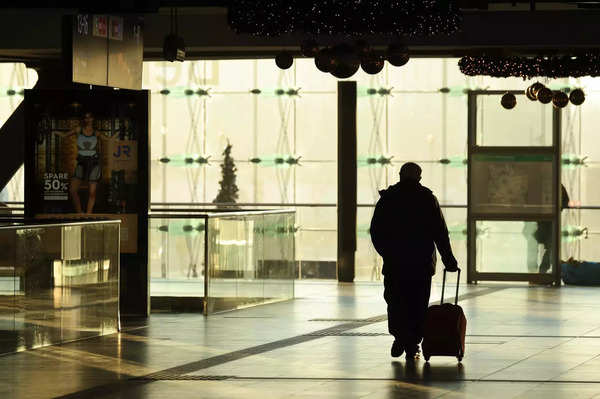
[[83, 157]]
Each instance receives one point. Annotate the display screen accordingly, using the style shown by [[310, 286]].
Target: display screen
[[108, 50]]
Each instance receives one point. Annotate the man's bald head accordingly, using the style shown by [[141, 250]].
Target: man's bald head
[[410, 171]]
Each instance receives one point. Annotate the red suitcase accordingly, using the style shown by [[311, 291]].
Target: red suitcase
[[445, 328]]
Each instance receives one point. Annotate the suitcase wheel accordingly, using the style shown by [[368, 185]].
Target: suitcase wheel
[[459, 358], [427, 357]]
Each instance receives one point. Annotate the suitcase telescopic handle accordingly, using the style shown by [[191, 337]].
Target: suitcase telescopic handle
[[444, 286]]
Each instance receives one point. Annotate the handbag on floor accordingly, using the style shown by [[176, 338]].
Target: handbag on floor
[[445, 328]]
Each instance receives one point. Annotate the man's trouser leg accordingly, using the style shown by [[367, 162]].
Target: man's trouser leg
[[407, 306], [421, 294], [395, 307]]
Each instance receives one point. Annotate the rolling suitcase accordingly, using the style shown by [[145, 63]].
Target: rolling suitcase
[[445, 327]]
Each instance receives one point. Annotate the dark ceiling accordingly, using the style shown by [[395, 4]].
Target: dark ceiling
[[502, 27]]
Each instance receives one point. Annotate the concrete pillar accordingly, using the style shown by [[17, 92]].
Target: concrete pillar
[[346, 184]]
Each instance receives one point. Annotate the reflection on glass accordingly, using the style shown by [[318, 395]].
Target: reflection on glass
[[58, 283], [250, 258], [514, 247], [512, 184], [177, 257]]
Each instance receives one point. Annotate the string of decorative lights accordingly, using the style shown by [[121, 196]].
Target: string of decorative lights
[[527, 68], [409, 18]]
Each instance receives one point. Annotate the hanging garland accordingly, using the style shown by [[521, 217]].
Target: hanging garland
[[411, 18], [526, 68]]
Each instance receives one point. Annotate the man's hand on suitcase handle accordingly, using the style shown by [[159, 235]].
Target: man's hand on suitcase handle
[[451, 264]]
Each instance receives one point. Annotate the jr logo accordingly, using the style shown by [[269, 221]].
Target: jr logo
[[124, 150]]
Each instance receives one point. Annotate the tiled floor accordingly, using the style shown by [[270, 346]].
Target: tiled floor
[[523, 342]]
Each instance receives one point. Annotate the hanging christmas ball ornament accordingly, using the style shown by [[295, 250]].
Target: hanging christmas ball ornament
[[372, 64], [530, 95], [309, 48], [544, 95], [535, 89], [362, 48], [508, 100], [324, 60], [397, 55], [345, 61], [345, 70], [560, 99], [284, 60], [577, 97]]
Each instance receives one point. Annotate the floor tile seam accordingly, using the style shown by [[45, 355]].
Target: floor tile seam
[[580, 364], [528, 357], [420, 380]]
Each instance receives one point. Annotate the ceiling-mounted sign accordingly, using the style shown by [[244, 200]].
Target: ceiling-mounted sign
[[108, 50]]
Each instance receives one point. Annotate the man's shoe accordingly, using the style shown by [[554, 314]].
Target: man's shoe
[[413, 353], [397, 349]]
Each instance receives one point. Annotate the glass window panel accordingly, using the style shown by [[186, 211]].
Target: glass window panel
[[371, 179], [110, 278], [514, 247], [454, 184], [177, 257], [368, 261], [310, 79], [189, 183], [316, 182], [278, 256], [232, 75], [416, 126], [271, 78], [275, 116], [528, 124], [317, 217], [580, 182], [316, 127], [590, 120], [223, 126], [580, 234], [316, 245], [10, 286], [419, 74], [456, 220], [454, 128], [454, 79], [372, 120], [512, 184]]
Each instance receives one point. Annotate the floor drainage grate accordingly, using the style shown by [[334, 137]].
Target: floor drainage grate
[[179, 377]]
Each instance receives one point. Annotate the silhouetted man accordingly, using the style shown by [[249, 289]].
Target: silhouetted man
[[406, 224]]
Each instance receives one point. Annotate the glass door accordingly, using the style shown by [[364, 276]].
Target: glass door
[[513, 190]]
